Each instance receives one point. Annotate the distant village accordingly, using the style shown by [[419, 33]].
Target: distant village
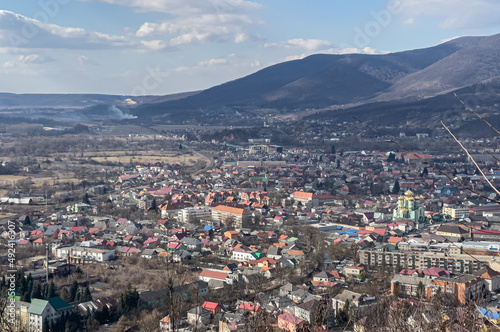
[[268, 238]]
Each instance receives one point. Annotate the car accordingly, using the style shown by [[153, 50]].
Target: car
[[494, 297]]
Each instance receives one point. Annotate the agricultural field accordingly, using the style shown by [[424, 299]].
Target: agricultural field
[[125, 157], [6, 180]]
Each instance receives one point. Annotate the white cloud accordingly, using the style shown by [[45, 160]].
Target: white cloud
[[453, 14], [198, 21], [154, 45], [308, 44], [409, 21], [84, 60], [201, 29], [34, 59], [28, 59], [212, 62], [187, 7], [18, 31]]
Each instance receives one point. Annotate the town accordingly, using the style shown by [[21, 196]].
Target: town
[[253, 236]]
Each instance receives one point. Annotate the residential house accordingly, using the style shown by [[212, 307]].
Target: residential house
[[212, 306], [198, 317], [242, 255], [207, 275], [187, 290], [50, 309], [491, 278], [247, 307], [289, 322], [352, 271], [81, 253], [356, 300], [287, 290], [307, 310], [323, 276]]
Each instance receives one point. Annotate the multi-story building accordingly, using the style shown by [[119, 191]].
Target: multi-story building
[[456, 211], [41, 311], [463, 287], [449, 260], [194, 213], [303, 197], [226, 214], [310, 199], [486, 235], [80, 254]]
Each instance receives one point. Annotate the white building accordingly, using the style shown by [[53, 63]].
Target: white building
[[41, 310], [196, 212], [225, 277], [242, 256], [456, 211], [93, 254]]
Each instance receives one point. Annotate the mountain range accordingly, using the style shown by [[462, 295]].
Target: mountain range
[[356, 81], [352, 83]]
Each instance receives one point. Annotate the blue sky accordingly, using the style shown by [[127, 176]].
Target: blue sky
[[138, 47]]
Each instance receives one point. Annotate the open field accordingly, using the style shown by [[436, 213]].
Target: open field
[[7, 215], [6, 180], [125, 157]]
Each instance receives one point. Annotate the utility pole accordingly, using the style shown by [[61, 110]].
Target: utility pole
[[47, 262]]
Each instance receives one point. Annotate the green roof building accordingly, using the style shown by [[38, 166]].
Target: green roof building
[[41, 310]]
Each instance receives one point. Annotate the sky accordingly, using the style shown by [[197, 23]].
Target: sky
[[159, 47]]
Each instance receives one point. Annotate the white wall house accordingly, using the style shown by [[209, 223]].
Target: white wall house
[[94, 254]]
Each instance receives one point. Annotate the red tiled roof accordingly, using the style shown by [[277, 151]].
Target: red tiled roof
[[249, 307], [209, 305], [290, 318], [302, 194], [487, 232], [229, 209], [214, 274]]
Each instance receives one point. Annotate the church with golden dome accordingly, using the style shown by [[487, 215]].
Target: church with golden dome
[[409, 208]]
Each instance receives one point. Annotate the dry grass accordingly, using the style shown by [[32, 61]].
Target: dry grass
[[149, 159], [6, 180], [124, 157], [7, 215]]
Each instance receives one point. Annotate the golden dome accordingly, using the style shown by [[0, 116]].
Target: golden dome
[[408, 193], [401, 198]]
